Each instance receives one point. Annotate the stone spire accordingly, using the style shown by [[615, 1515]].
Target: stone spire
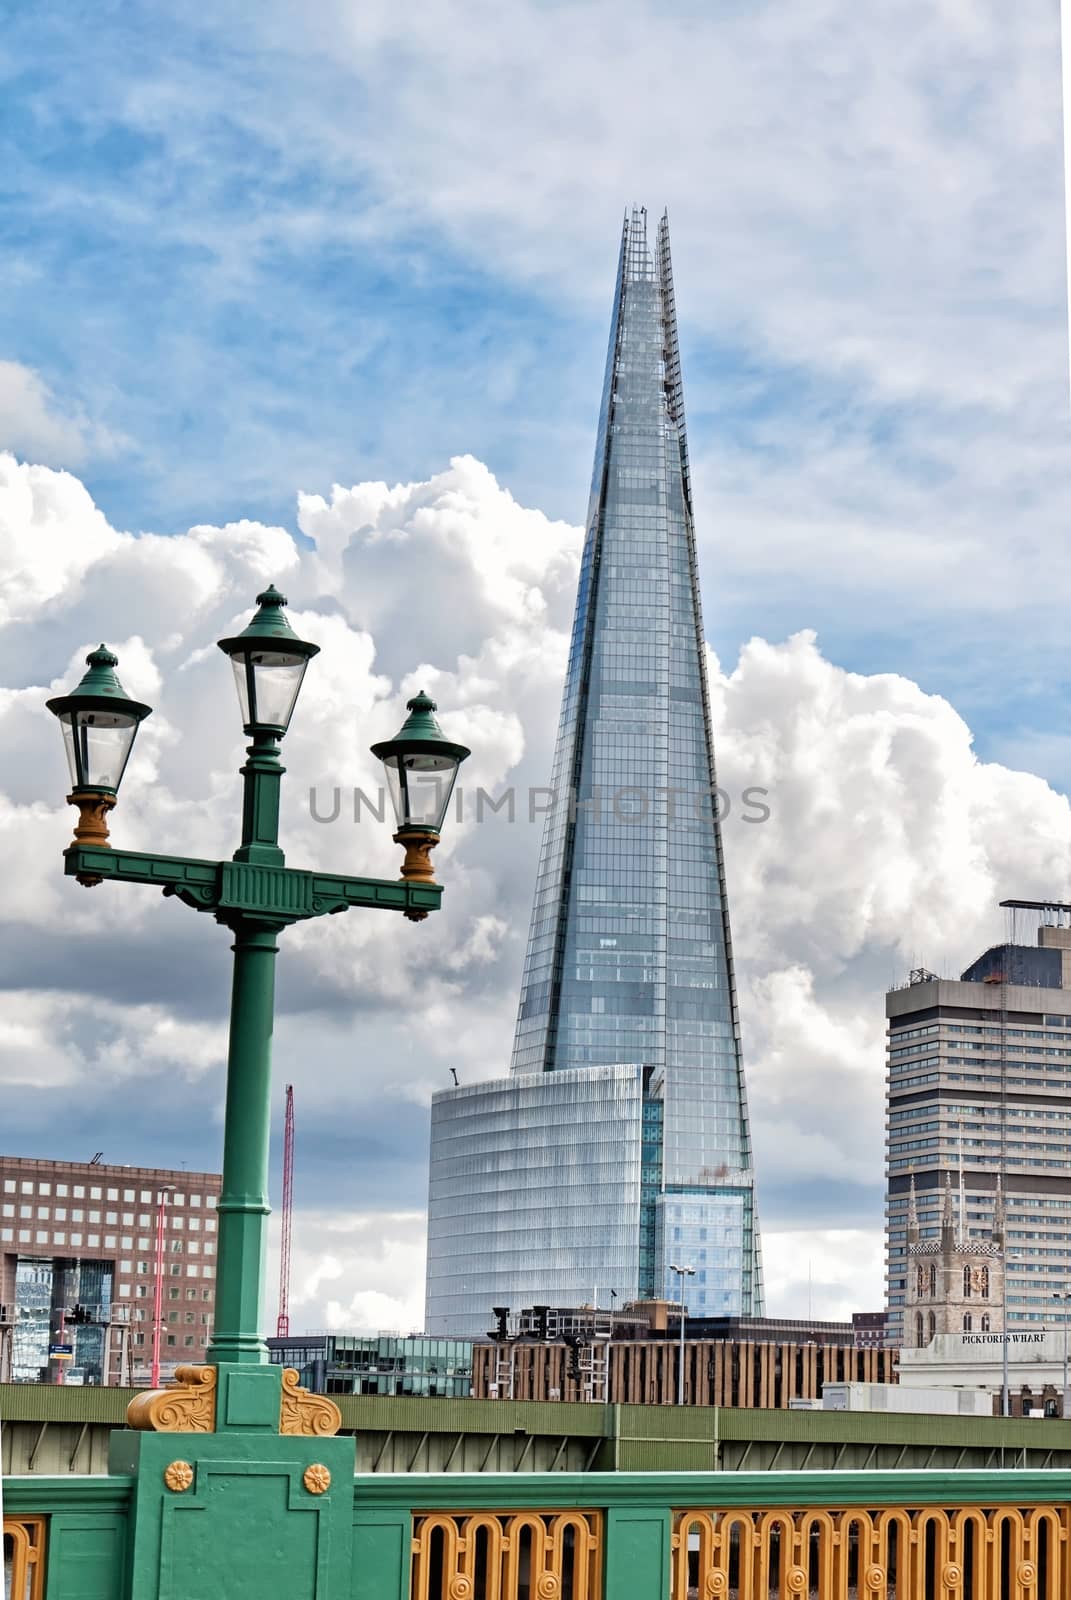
[[912, 1215], [999, 1218], [948, 1218]]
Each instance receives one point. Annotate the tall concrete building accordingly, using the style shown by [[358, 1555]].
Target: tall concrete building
[[979, 1100], [78, 1268], [620, 1145]]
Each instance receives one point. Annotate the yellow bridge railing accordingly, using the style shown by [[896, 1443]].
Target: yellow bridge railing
[[24, 1557], [517, 1555], [895, 1553]]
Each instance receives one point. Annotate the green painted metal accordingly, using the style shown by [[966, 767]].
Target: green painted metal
[[87, 1534], [286, 894], [247, 1526], [262, 778], [243, 1206]]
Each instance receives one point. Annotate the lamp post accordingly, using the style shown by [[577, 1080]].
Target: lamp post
[[1005, 1395], [255, 895], [682, 1273], [1064, 1296], [158, 1286]]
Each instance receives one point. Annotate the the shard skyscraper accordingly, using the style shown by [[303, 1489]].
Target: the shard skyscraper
[[620, 1142]]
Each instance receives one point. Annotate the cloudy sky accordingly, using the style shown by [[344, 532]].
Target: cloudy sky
[[320, 295]]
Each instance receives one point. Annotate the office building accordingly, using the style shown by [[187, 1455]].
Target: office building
[[78, 1269], [377, 1363], [620, 1146], [979, 1102]]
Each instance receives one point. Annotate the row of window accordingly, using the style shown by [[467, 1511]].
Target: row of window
[[109, 1218], [79, 1192], [92, 1241]]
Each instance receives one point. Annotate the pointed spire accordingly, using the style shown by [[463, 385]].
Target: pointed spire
[[999, 1217], [948, 1217], [912, 1214]]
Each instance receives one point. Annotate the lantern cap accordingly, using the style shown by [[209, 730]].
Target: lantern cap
[[420, 734], [269, 627], [99, 690]]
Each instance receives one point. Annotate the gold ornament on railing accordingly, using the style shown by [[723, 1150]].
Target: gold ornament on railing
[[311, 1415], [911, 1551], [188, 1405], [506, 1549]]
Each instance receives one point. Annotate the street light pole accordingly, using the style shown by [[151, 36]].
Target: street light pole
[[254, 894], [158, 1286], [1005, 1404], [682, 1273], [1064, 1296]]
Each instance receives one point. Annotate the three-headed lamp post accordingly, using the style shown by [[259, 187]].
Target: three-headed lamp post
[[254, 894]]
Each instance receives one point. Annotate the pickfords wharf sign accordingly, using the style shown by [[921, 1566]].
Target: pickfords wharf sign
[[999, 1338]]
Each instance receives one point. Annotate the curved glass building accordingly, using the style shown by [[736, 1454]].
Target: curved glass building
[[628, 1080]]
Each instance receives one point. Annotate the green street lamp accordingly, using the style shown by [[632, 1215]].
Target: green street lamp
[[421, 766], [269, 662], [256, 895], [100, 723]]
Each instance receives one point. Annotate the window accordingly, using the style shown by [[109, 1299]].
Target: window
[[126, 1242], [94, 1216], [189, 1341], [26, 1187], [985, 1321], [171, 1338], [79, 1192], [933, 1325], [175, 1270], [966, 1283], [173, 1294], [985, 1283], [61, 1189], [94, 1194], [44, 1188], [143, 1290], [93, 1239], [60, 1214], [24, 1235], [9, 1186], [126, 1266], [144, 1266], [210, 1202], [42, 1236], [194, 1224], [178, 1199], [78, 1215], [195, 1200], [144, 1219], [128, 1219], [113, 1194], [112, 1217], [6, 1235], [76, 1239], [178, 1222], [920, 1278], [128, 1196], [9, 1210], [109, 1241], [176, 1247], [59, 1238], [43, 1213], [145, 1197], [26, 1211], [967, 1322], [933, 1285]]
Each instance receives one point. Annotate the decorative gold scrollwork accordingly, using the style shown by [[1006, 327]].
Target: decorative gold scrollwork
[[311, 1415], [188, 1405]]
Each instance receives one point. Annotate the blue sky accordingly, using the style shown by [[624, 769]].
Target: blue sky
[[252, 251]]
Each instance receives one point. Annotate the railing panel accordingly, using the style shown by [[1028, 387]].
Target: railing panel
[[24, 1558], [507, 1555], [921, 1552]]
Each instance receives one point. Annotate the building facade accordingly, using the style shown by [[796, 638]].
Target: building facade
[[629, 961], [717, 1372], [383, 1363], [78, 1260], [979, 1103]]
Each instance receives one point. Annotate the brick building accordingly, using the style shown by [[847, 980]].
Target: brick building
[[78, 1268]]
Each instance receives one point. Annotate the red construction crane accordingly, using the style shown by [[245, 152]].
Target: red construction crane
[[282, 1326]]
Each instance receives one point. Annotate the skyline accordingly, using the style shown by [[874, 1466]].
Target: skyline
[[879, 453]]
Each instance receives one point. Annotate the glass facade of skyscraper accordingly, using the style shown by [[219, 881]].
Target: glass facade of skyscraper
[[534, 1194], [629, 956]]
